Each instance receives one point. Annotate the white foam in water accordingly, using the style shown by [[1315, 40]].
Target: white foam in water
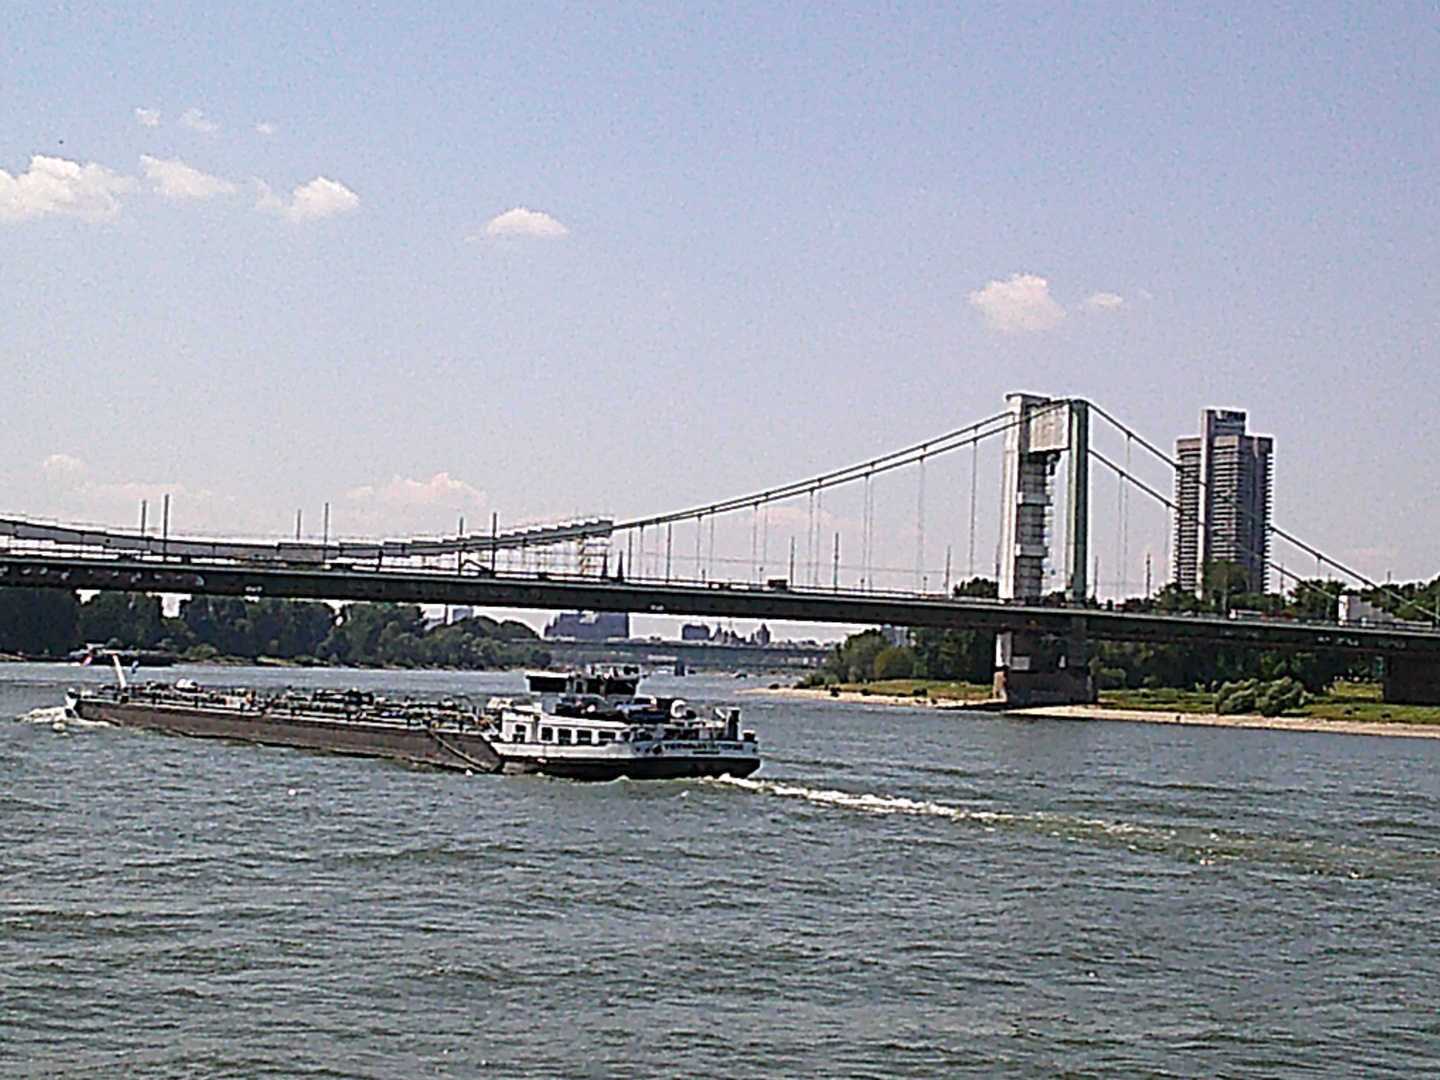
[[871, 804], [1198, 844], [1060, 826], [59, 718], [886, 804]]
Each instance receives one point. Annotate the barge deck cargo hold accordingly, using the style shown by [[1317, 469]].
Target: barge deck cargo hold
[[446, 734]]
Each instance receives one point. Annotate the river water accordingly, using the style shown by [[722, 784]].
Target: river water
[[897, 893]]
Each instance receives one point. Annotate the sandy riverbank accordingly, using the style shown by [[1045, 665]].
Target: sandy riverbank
[[1141, 716], [864, 699]]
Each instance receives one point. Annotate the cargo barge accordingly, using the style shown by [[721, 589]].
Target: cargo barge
[[581, 726]]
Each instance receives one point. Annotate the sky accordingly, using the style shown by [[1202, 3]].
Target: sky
[[430, 260]]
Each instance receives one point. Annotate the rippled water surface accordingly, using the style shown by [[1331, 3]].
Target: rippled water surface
[[897, 893]]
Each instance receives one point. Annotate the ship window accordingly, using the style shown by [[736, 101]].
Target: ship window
[[582, 736], [519, 734], [547, 734], [565, 734], [606, 736]]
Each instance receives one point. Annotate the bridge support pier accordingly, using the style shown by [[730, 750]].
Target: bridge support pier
[[1035, 670], [1031, 669], [1412, 680]]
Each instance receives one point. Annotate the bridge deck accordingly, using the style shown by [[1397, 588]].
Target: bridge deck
[[539, 591]]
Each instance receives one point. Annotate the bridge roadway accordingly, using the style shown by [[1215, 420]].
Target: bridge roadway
[[538, 591]]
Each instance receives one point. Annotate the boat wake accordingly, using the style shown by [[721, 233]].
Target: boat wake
[[871, 804], [1199, 845]]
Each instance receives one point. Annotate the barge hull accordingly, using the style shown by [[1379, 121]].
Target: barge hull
[[644, 768], [415, 744]]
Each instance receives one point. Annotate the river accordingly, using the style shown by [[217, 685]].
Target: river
[[897, 893]]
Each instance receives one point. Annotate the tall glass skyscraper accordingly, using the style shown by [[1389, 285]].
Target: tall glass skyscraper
[[1222, 496]]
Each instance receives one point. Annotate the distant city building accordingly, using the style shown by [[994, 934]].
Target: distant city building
[[589, 626], [719, 635], [461, 612], [1222, 497], [1356, 611]]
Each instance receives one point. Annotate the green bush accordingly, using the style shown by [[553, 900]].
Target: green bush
[[1110, 678], [1268, 698], [1236, 697], [1280, 696]]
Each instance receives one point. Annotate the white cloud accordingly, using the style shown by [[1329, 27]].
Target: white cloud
[[175, 180], [196, 120], [442, 490], [1104, 301], [319, 198], [63, 465], [523, 222], [58, 186], [322, 198], [264, 128], [147, 117], [1023, 302]]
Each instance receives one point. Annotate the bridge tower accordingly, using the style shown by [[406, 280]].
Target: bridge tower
[[1029, 669]]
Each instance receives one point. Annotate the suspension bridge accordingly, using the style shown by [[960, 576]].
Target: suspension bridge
[[649, 565]]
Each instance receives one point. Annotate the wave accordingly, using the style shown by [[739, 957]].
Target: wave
[[1200, 845], [873, 804]]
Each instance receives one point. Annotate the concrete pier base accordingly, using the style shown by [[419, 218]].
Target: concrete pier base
[[1064, 687], [1036, 670], [1412, 680]]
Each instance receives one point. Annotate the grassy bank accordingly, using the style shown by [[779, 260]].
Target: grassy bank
[[1359, 702], [933, 689], [1344, 701]]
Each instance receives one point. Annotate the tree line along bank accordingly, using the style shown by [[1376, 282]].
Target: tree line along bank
[[50, 623], [968, 656]]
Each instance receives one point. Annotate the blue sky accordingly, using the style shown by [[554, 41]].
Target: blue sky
[[268, 258]]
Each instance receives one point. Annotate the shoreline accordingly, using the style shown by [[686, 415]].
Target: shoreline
[[1398, 728]]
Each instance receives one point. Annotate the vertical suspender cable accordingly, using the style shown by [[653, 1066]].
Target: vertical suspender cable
[[920, 528], [820, 532], [1125, 525], [867, 556], [754, 539], [810, 537], [974, 476], [765, 541], [1119, 534]]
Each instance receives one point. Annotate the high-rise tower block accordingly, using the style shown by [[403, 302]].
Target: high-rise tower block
[[1222, 498]]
